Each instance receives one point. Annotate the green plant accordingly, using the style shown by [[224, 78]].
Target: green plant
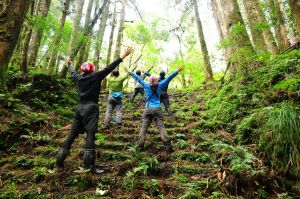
[[280, 140]]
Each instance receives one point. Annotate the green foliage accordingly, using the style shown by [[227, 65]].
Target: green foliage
[[280, 139]]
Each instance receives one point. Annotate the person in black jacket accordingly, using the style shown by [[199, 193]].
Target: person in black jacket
[[164, 97], [86, 117]]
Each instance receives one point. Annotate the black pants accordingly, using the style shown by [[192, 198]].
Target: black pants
[[85, 120], [137, 91], [164, 98]]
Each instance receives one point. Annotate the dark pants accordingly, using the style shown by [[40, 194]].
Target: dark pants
[[113, 103], [136, 92], [149, 115], [164, 98], [85, 120]]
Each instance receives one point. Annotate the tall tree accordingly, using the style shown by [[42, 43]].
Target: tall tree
[[86, 31], [111, 38], [295, 8], [81, 56], [120, 31], [254, 23], [75, 32], [233, 28], [207, 67], [28, 33], [278, 24], [11, 20], [42, 11], [58, 37], [268, 36], [100, 34]]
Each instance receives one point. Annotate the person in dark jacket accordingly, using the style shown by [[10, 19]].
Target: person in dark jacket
[[138, 88], [164, 97], [152, 111], [86, 117]]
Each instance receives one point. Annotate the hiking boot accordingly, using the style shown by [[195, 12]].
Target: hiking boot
[[89, 157], [60, 158]]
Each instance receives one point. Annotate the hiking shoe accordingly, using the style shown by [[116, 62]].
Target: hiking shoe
[[60, 158]]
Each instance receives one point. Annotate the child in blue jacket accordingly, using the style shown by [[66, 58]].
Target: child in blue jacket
[[153, 109]]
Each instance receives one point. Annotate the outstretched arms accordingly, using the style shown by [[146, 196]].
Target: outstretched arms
[[135, 76], [71, 68], [166, 81], [103, 73]]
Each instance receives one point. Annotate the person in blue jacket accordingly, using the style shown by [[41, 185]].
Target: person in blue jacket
[[152, 109], [164, 97]]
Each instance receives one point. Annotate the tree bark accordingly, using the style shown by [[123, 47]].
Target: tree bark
[[53, 59], [75, 33], [100, 34], [42, 11], [11, 20], [278, 24], [207, 67], [26, 41], [86, 31], [268, 36], [82, 56], [111, 37], [295, 8], [239, 41], [256, 32], [120, 31]]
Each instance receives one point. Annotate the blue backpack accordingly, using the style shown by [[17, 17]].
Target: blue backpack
[[117, 95]]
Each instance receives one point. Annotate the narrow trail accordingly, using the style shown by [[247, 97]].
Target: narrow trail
[[196, 166]]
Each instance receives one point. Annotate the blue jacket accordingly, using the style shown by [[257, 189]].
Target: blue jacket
[[153, 99]]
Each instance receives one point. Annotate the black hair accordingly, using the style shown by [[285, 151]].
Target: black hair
[[138, 72], [116, 73], [162, 73]]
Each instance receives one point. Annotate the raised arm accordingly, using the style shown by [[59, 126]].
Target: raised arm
[[103, 73], [74, 74], [140, 80], [166, 81]]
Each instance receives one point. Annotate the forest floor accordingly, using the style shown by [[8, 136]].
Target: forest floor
[[206, 163]]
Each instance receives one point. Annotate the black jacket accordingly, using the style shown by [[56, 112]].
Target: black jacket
[[89, 84]]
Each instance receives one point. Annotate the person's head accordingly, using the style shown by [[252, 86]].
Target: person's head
[[115, 73], [87, 67], [153, 80], [162, 73], [138, 72]]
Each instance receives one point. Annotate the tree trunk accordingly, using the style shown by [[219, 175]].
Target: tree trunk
[[207, 67], [111, 37], [89, 29], [28, 33], [75, 33], [11, 20], [268, 36], [100, 34], [42, 11], [53, 59], [278, 24], [120, 31], [295, 8], [88, 42], [82, 56], [256, 32], [232, 18]]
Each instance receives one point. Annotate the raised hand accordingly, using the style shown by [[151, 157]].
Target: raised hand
[[180, 68], [68, 61], [127, 52], [134, 67]]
